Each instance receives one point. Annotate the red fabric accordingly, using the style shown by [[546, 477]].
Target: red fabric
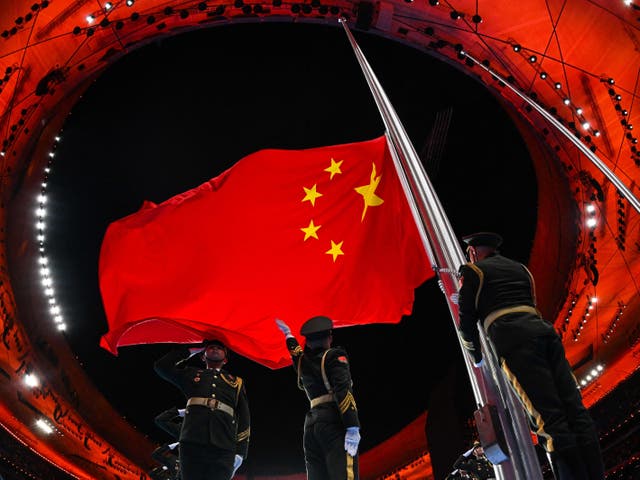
[[225, 259]]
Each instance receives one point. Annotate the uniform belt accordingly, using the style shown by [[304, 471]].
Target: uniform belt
[[493, 316], [327, 397], [212, 403]]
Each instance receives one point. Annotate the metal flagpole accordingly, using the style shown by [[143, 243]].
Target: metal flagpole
[[489, 386], [600, 165]]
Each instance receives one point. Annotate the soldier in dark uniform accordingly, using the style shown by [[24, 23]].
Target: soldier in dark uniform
[[500, 294], [331, 427], [475, 463], [214, 438], [170, 421]]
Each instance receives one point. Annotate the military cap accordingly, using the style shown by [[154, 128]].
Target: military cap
[[219, 343], [316, 325], [483, 239]]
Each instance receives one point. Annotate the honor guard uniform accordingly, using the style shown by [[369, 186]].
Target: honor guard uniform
[[499, 293], [475, 463], [170, 421], [331, 426], [214, 438]]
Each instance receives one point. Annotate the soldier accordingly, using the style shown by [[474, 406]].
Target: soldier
[[331, 426], [170, 421], [214, 438], [500, 293], [474, 462]]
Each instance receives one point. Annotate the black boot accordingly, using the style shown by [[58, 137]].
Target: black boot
[[592, 459]]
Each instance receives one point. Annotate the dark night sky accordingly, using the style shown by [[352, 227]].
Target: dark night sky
[[178, 112]]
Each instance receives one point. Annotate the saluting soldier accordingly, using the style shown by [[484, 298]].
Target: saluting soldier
[[214, 437], [475, 463], [500, 294], [331, 426]]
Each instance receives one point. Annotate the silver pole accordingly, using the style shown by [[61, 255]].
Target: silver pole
[[600, 165], [446, 255]]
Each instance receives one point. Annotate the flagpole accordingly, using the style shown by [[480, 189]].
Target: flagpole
[[488, 384]]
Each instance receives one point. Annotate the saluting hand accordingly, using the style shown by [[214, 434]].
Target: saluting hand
[[284, 328]]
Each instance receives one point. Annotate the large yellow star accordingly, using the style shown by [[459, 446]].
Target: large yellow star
[[310, 231], [368, 192], [311, 194], [335, 250], [334, 168]]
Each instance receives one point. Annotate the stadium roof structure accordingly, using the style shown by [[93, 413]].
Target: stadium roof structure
[[579, 60]]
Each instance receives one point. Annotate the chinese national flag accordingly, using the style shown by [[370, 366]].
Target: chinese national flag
[[282, 234]]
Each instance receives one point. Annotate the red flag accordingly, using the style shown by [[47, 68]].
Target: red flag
[[282, 234]]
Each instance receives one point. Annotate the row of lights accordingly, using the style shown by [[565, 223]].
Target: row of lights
[[629, 417], [20, 21], [614, 323], [591, 223], [106, 8], [567, 318], [31, 380], [18, 465], [622, 221], [219, 10], [623, 115], [585, 317], [557, 86], [45, 273], [533, 59], [454, 14], [44, 426], [592, 375], [591, 218]]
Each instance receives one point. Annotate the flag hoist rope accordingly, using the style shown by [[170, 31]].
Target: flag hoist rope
[[446, 257]]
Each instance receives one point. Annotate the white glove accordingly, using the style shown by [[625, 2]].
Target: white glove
[[454, 297], [237, 461], [352, 440], [479, 364], [181, 412], [284, 328]]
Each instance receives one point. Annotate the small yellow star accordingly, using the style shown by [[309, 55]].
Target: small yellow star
[[368, 192], [334, 168], [311, 194], [335, 250], [310, 231]]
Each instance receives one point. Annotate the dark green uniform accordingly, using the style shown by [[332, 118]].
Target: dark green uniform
[[212, 435], [170, 421], [326, 423], [500, 293]]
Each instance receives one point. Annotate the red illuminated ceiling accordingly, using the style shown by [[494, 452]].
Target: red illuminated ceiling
[[585, 51]]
